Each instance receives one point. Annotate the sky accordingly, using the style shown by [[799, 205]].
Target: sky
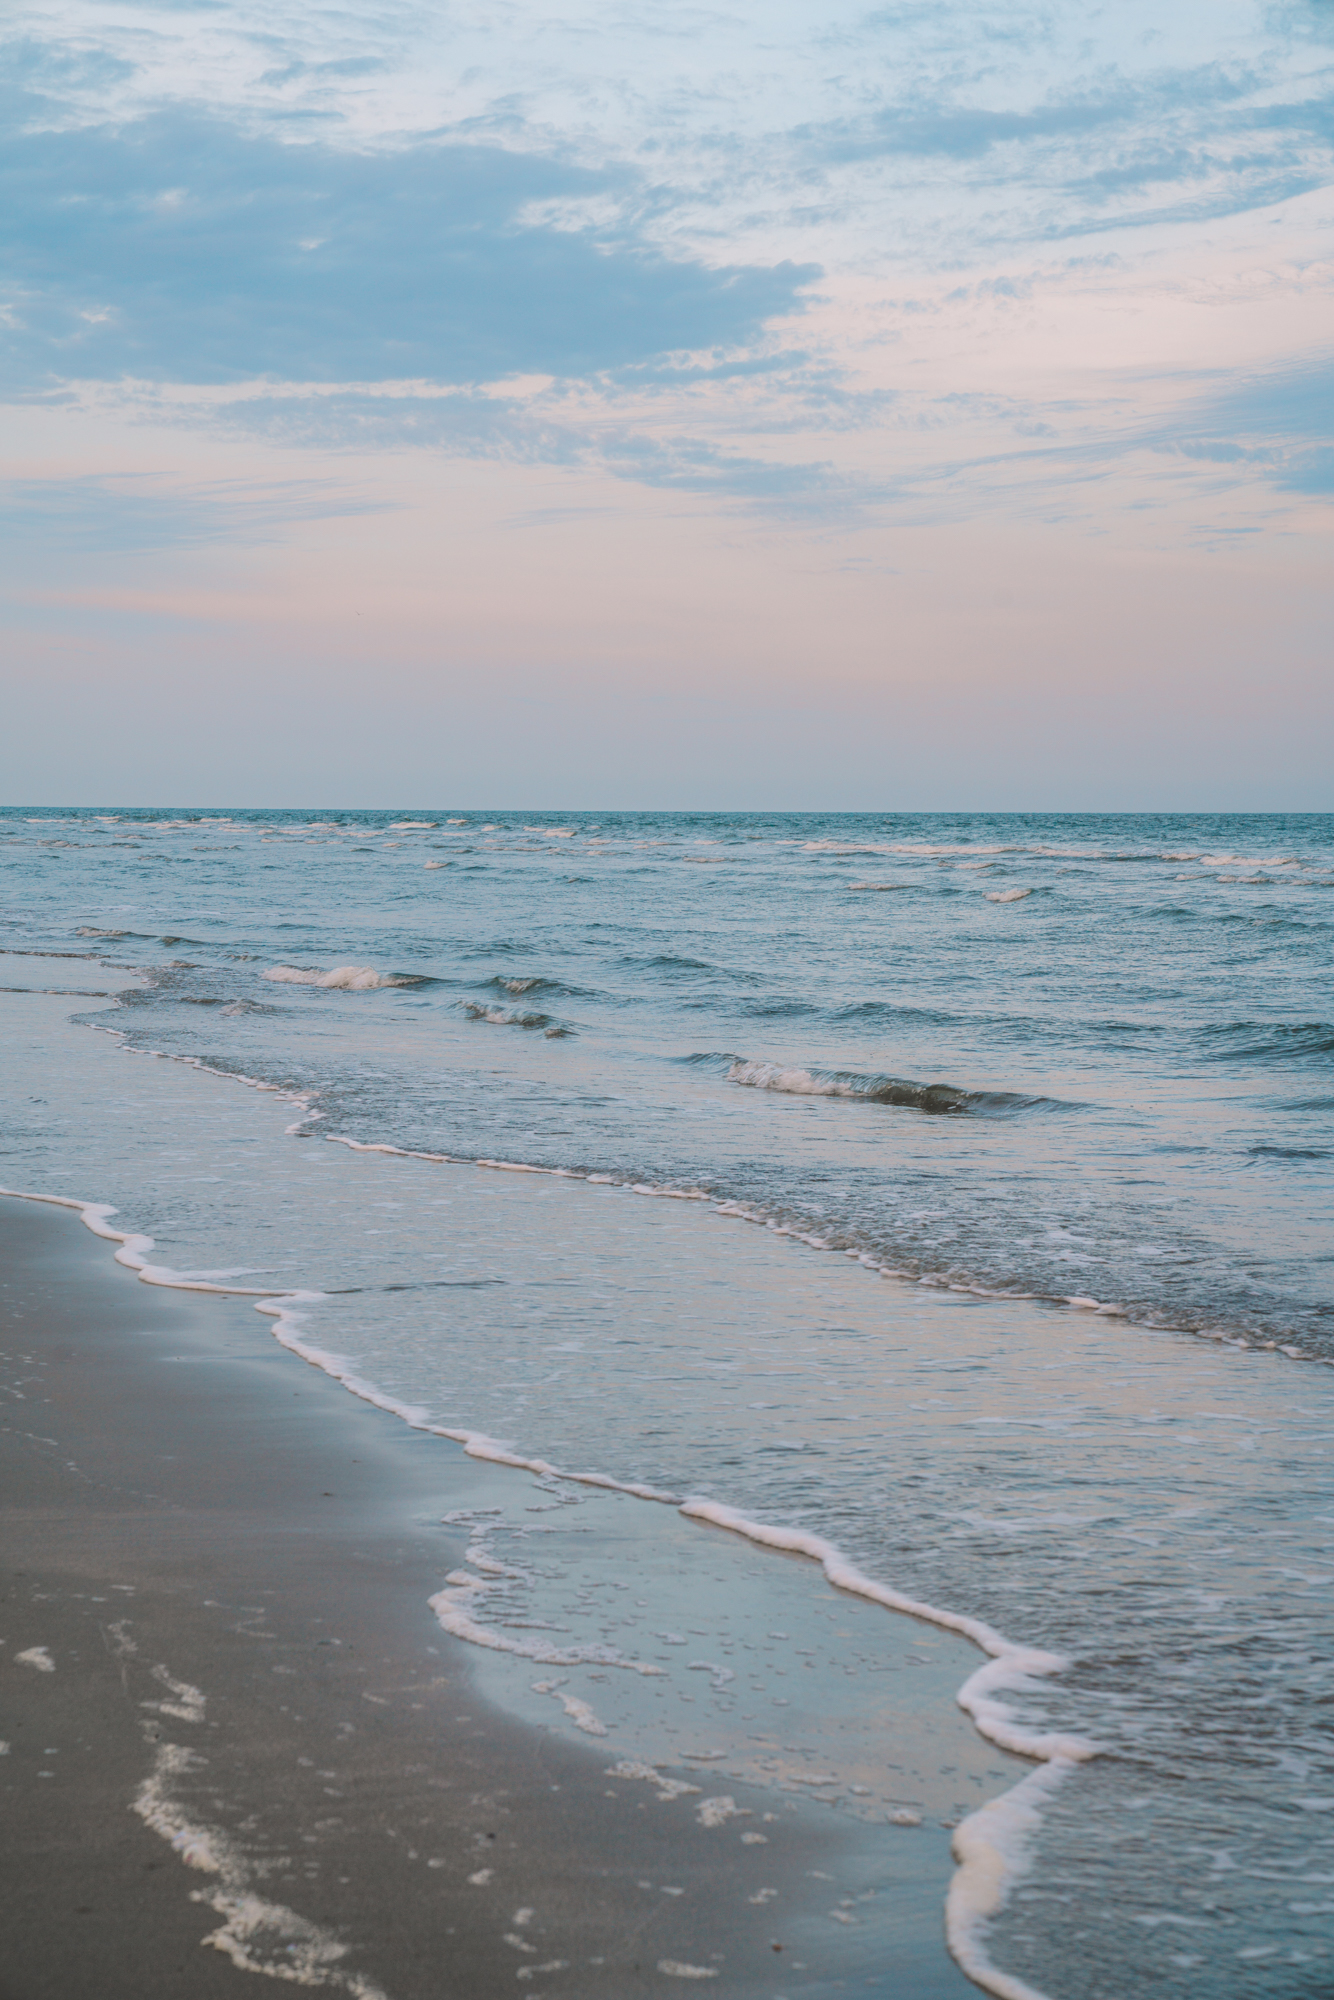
[[780, 405]]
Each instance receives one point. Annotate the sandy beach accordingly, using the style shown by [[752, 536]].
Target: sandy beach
[[239, 1743]]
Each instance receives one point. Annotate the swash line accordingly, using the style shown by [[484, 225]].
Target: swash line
[[991, 1847]]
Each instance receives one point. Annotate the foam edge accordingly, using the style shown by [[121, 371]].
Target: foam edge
[[992, 1846]]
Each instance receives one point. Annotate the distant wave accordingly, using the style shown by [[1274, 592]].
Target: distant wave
[[888, 1010], [927, 849], [669, 962], [936, 1099], [1007, 895], [146, 937], [1268, 1041], [775, 1009]]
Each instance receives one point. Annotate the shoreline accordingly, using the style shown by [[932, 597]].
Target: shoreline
[[241, 1507], [990, 1848], [1151, 1506]]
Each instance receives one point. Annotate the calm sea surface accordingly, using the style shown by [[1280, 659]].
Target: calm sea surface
[[1007, 1266]]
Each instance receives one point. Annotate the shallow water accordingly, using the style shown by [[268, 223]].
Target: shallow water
[[1117, 1089]]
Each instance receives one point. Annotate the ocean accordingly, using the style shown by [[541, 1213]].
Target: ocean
[[944, 1197]]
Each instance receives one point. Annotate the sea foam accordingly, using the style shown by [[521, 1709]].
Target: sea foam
[[343, 978]]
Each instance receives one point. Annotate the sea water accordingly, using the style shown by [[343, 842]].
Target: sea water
[[946, 1197]]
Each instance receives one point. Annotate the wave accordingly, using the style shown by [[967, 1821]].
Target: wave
[[76, 957], [510, 1017], [888, 1010], [669, 962], [1272, 1041], [776, 1009], [343, 978], [534, 983], [1007, 895], [936, 1099], [926, 849]]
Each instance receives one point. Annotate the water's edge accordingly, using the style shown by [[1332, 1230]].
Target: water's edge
[[991, 1847]]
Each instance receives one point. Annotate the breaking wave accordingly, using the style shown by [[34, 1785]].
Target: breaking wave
[[533, 983], [343, 978], [513, 1017], [936, 1099]]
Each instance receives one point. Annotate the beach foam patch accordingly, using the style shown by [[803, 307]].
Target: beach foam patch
[[466, 1592], [256, 1935]]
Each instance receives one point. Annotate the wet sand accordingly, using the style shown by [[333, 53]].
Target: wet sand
[[240, 1744]]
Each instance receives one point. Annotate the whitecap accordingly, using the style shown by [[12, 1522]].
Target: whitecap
[[343, 978]]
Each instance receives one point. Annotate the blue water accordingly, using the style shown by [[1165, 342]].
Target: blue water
[[1068, 1080]]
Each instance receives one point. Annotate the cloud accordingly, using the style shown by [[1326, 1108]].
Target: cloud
[[964, 132], [541, 431], [1275, 429], [124, 516], [1291, 402], [1280, 425], [1087, 150], [181, 248], [1310, 472]]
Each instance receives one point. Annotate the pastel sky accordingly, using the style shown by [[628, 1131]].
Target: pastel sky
[[779, 404]]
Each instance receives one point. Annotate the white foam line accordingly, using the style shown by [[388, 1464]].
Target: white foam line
[[279, 1090], [133, 1253], [992, 1846], [451, 1609], [477, 1444], [511, 1167], [402, 1152]]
